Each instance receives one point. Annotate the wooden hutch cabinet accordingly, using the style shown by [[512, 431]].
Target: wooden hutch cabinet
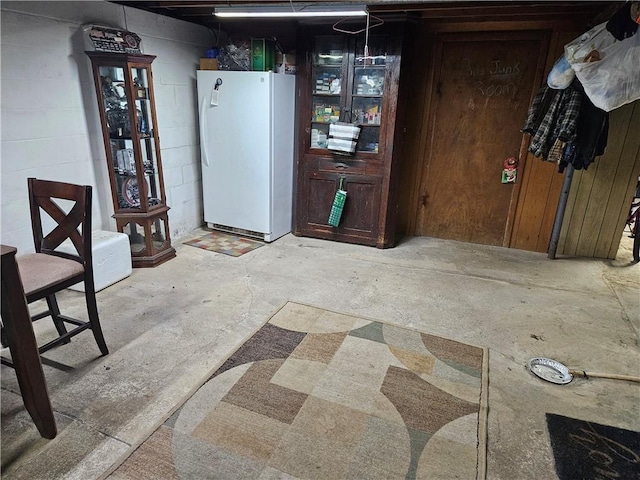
[[338, 83], [124, 87]]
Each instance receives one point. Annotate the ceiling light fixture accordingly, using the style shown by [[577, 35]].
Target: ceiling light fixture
[[284, 12]]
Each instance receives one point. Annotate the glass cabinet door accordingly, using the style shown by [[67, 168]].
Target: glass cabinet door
[[369, 71], [116, 104], [154, 227], [348, 85], [145, 127], [327, 88], [135, 189]]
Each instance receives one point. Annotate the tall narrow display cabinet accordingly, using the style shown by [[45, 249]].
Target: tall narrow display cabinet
[[124, 87], [337, 82]]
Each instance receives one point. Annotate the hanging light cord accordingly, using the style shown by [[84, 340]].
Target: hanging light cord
[[366, 38], [338, 25]]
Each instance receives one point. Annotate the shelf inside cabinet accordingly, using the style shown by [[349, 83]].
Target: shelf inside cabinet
[[328, 86], [328, 65], [329, 60]]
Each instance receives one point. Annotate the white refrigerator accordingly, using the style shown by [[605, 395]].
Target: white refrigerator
[[247, 123]]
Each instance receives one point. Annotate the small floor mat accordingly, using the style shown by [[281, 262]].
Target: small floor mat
[[588, 450], [226, 243]]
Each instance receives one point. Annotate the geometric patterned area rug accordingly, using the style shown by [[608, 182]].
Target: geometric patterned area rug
[[315, 394], [226, 243], [584, 449]]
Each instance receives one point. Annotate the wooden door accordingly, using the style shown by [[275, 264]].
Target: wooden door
[[483, 85]]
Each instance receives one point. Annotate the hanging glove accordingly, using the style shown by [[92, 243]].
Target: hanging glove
[[635, 12], [555, 154]]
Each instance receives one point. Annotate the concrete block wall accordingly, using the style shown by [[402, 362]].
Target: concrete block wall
[[49, 116]]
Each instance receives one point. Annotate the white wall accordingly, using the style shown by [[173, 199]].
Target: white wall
[[50, 126]]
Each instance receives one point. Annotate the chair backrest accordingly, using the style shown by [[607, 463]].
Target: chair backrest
[[42, 195]]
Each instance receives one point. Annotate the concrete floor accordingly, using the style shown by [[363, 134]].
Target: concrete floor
[[168, 326]]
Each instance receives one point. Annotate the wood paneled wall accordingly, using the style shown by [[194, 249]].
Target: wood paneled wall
[[600, 197], [540, 182]]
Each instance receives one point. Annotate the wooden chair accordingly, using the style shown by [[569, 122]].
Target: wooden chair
[[48, 271]]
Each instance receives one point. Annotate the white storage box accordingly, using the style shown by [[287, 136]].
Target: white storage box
[[343, 138], [111, 258]]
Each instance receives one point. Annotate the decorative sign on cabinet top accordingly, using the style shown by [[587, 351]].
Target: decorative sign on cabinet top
[[108, 39]]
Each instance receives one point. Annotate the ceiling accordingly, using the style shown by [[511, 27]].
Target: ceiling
[[285, 30], [201, 11]]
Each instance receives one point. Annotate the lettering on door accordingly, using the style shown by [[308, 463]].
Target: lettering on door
[[492, 79]]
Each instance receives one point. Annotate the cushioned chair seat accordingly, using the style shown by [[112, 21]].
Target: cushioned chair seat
[[40, 271]]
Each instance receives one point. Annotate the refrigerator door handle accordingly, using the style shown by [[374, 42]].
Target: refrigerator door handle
[[203, 136]]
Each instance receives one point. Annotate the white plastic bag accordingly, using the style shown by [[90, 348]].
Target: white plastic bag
[[598, 38], [614, 80]]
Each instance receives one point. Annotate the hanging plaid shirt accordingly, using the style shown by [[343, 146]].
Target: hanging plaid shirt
[[553, 115]]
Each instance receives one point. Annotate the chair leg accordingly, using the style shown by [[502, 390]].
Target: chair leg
[[92, 310], [52, 303]]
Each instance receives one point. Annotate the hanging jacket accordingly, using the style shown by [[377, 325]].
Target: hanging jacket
[[621, 25], [591, 138]]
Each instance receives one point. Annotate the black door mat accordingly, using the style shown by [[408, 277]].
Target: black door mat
[[586, 450]]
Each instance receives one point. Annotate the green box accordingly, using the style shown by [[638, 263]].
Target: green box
[[263, 54], [337, 207]]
